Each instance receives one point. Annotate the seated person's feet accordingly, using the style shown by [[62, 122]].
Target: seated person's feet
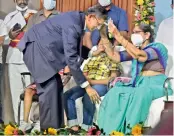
[[75, 128], [25, 126], [36, 127]]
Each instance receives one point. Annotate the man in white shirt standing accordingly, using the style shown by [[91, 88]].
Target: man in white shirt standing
[[165, 36], [3, 33], [16, 23]]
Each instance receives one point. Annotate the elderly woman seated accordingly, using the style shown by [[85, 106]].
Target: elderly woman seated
[[98, 71], [128, 103]]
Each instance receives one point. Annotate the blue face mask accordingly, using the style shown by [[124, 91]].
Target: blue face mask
[[49, 4]]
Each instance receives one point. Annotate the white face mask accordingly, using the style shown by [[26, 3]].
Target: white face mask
[[21, 9], [49, 4], [137, 39]]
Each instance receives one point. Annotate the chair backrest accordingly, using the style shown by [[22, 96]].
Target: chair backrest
[[25, 75]]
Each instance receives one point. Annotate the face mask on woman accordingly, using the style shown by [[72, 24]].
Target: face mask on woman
[[49, 4], [137, 39]]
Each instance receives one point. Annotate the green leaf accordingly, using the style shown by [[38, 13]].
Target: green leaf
[[12, 124], [128, 134], [128, 126], [141, 123], [1, 133]]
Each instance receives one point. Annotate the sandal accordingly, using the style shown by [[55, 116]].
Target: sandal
[[74, 130]]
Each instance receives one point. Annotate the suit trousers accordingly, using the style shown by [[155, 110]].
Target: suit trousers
[[51, 103]]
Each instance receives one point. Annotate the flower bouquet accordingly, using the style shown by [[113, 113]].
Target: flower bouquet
[[144, 12]]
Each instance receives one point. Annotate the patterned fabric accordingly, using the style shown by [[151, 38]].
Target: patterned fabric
[[14, 42], [100, 67]]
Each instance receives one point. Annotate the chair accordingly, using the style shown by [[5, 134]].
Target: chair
[[34, 99]]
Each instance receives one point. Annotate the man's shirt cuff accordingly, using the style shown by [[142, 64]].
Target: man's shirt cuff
[[84, 85]]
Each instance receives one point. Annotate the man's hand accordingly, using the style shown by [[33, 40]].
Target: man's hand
[[93, 95], [14, 34], [66, 70], [65, 79]]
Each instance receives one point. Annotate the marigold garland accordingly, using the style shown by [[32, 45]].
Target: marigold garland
[[12, 129]]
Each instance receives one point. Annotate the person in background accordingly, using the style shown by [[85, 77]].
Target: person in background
[[14, 59], [132, 100], [3, 33], [165, 36], [98, 70], [48, 11], [119, 17]]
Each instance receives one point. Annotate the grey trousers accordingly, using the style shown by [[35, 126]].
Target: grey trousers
[[51, 103]]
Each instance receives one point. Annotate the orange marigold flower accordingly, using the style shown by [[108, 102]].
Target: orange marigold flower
[[9, 130], [137, 130], [52, 131]]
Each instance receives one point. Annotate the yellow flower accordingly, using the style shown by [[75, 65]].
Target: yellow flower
[[52, 131], [140, 2], [147, 1], [145, 12], [9, 130], [137, 130], [136, 24], [45, 132], [116, 133], [146, 22]]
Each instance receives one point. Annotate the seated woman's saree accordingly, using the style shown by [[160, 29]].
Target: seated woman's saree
[[128, 103]]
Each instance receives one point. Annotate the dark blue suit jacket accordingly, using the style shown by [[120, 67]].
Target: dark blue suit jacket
[[51, 45]]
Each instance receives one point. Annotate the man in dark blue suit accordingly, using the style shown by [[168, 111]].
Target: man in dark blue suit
[[50, 46]]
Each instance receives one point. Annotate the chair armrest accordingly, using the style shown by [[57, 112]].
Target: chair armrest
[[166, 86]]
